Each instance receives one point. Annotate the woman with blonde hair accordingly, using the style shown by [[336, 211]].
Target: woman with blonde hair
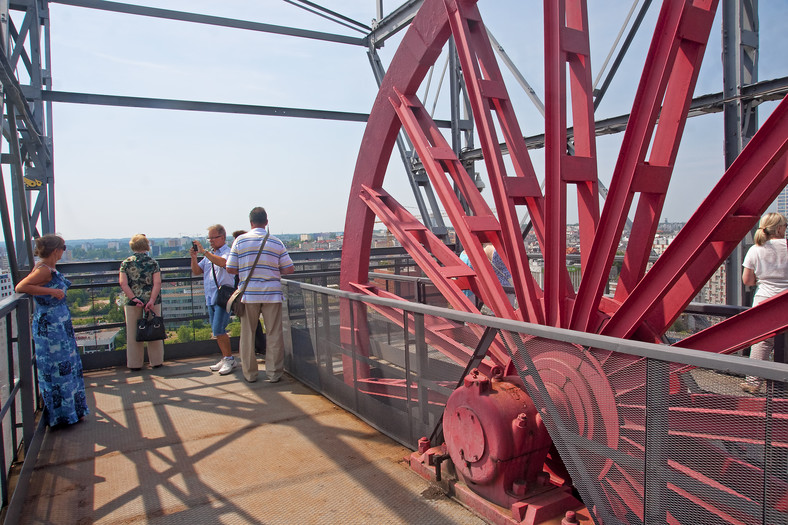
[[140, 280], [57, 358], [766, 265]]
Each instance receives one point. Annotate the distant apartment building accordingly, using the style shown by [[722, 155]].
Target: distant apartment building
[[661, 243], [96, 340], [113, 245], [714, 291], [327, 244], [6, 285], [384, 239], [182, 301], [782, 202]]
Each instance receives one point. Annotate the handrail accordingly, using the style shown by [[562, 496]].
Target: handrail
[[15, 310], [685, 356]]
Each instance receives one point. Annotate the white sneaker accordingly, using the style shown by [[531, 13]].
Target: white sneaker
[[217, 366], [228, 366]]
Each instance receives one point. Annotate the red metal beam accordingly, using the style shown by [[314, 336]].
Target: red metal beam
[[740, 331], [472, 230], [677, 22], [721, 221], [567, 43], [655, 174], [487, 93], [420, 47]]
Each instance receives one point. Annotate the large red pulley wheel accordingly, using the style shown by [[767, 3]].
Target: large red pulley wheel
[[645, 304]]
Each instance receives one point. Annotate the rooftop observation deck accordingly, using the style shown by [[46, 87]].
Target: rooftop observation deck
[[182, 444]]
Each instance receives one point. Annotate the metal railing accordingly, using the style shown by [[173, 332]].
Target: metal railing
[[183, 300], [20, 438], [672, 436]]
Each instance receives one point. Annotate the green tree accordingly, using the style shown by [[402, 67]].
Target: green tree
[[203, 334], [185, 334], [120, 340], [196, 330], [115, 313], [77, 298], [99, 309]]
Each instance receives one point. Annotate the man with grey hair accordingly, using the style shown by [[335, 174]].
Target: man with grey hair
[[212, 268], [263, 294]]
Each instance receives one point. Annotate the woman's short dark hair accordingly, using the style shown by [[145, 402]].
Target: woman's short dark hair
[[258, 216], [46, 244]]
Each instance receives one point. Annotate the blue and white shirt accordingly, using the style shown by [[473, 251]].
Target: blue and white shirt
[[224, 278], [264, 285]]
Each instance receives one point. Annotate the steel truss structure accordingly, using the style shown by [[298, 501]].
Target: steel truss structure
[[440, 168]]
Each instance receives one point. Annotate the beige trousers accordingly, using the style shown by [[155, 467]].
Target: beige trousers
[[135, 350], [274, 353], [762, 350]]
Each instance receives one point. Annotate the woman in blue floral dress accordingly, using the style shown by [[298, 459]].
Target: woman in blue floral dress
[[57, 359]]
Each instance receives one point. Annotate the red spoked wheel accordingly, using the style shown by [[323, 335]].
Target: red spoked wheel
[[645, 304]]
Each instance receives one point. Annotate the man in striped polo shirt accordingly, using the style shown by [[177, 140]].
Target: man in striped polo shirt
[[262, 295]]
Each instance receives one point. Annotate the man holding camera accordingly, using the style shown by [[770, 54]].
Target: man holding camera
[[263, 293], [212, 268]]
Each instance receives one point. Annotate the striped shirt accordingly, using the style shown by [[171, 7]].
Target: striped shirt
[[264, 285]]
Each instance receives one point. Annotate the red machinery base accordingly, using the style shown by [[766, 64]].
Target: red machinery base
[[555, 505]]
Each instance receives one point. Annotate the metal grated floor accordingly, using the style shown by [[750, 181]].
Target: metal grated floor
[[181, 444]]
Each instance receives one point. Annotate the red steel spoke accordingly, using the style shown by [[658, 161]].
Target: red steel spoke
[[472, 230], [721, 221], [424, 42], [566, 42], [422, 245], [677, 22], [667, 137], [487, 92], [740, 331]]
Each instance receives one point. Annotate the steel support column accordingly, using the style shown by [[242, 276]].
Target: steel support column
[[26, 129], [739, 69]]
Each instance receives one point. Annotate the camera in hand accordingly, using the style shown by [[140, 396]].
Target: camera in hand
[[194, 246]]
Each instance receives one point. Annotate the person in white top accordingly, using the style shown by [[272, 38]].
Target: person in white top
[[766, 265]]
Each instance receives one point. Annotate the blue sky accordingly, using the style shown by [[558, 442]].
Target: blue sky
[[119, 171]]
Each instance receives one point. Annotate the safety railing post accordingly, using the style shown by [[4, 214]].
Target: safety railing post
[[25, 356], [656, 460]]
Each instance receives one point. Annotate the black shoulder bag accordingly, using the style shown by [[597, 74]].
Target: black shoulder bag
[[225, 291]]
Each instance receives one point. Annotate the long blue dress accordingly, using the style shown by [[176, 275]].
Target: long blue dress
[[59, 365]]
